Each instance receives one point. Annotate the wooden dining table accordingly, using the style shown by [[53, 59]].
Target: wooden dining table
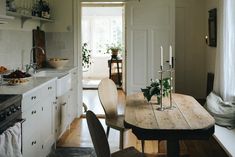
[[187, 119]]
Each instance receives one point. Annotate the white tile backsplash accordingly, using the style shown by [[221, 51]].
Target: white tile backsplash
[[60, 45], [14, 48]]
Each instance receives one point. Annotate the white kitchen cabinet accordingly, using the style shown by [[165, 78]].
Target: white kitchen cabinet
[[63, 117], [66, 107], [56, 118], [46, 119], [38, 129], [73, 101]]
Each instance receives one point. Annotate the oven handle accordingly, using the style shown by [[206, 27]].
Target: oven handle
[[21, 121]]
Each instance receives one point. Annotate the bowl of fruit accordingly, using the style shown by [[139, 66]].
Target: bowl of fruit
[[17, 77]]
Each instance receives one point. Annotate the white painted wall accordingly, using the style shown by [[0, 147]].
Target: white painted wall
[[16, 42], [190, 48], [62, 12]]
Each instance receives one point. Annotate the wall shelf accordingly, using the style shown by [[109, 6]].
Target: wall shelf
[[24, 18]]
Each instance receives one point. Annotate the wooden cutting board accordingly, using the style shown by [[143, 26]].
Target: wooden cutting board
[[39, 41]]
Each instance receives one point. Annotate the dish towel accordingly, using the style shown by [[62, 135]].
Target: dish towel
[[10, 142]]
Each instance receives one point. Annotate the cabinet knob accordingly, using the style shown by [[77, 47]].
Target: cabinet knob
[[33, 97], [34, 142], [49, 88], [34, 112]]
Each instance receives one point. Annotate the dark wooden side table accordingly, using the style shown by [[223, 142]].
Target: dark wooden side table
[[115, 60]]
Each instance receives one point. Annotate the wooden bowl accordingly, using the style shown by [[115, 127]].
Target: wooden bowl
[[57, 63]]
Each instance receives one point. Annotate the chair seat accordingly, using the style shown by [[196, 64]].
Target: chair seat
[[127, 152], [116, 122]]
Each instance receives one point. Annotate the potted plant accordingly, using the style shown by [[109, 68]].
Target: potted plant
[[114, 49], [155, 89], [86, 56]]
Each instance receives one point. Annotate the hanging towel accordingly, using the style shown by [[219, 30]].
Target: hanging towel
[[10, 142]]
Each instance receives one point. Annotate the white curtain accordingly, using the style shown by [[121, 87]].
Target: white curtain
[[224, 84]]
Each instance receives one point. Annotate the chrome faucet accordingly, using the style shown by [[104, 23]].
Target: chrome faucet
[[32, 63]]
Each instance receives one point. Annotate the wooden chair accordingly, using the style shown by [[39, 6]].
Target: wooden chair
[[100, 141], [108, 96]]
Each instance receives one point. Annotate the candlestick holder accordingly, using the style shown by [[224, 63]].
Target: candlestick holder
[[171, 71], [161, 92]]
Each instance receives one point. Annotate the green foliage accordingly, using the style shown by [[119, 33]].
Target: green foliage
[[114, 48], [155, 88], [86, 56]]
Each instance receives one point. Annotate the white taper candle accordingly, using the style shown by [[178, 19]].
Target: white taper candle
[[170, 56], [161, 57]]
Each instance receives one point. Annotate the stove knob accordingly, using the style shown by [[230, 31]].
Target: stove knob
[[13, 109], [2, 117], [18, 107], [9, 113]]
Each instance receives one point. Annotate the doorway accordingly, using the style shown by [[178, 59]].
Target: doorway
[[102, 28]]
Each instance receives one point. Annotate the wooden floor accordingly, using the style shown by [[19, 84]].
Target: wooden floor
[[78, 136]]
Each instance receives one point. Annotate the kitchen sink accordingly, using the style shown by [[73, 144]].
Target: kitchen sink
[[49, 74], [63, 82]]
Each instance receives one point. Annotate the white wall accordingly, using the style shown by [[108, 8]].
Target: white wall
[[16, 42], [62, 12], [190, 48], [60, 33]]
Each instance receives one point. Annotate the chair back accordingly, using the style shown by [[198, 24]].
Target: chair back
[[98, 136], [108, 96]]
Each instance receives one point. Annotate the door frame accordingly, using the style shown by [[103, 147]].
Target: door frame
[[78, 38]]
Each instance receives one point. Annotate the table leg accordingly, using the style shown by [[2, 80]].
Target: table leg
[[173, 148]]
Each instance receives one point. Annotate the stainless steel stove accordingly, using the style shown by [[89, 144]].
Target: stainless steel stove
[[10, 111]]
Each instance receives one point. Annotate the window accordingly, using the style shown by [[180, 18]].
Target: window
[[101, 26]]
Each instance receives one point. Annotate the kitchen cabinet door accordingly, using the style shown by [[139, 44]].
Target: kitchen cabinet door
[[64, 116], [32, 146], [46, 119], [38, 129], [31, 132], [56, 119], [73, 95]]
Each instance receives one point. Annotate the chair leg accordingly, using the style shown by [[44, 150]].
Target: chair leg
[[121, 140], [142, 145], [107, 132]]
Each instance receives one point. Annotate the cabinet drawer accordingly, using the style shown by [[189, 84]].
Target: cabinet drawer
[[31, 121], [31, 99], [49, 92], [32, 147]]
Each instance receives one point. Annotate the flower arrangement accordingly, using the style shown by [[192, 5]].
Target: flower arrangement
[[86, 56], [155, 89]]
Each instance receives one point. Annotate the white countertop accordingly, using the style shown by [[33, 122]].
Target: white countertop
[[33, 83], [65, 69]]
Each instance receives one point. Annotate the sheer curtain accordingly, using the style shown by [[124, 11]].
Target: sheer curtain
[[224, 84]]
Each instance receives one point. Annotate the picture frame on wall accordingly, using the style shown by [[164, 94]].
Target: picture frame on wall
[[212, 26]]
